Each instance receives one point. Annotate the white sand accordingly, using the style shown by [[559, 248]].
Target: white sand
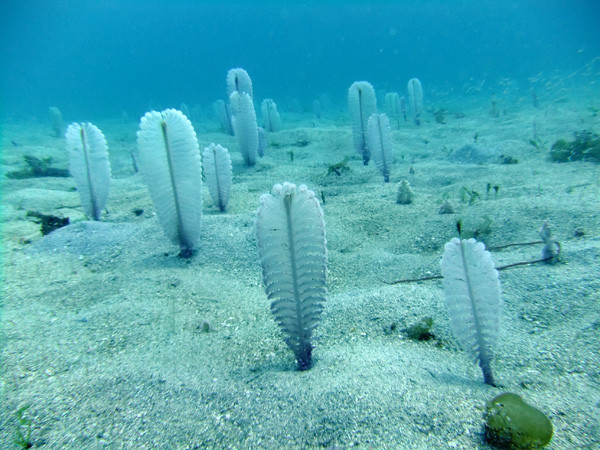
[[92, 344]]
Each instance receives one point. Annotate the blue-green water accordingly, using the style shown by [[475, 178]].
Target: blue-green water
[[98, 58]]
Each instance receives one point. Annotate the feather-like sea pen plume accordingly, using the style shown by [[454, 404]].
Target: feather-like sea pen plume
[[221, 110], [415, 99], [270, 116], [362, 103], [245, 128], [317, 109], [403, 108], [379, 138], [392, 105], [89, 165], [56, 120], [472, 291], [291, 244], [216, 166], [262, 141], [238, 80], [169, 158]]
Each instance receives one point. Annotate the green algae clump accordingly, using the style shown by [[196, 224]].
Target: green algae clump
[[339, 168], [420, 331], [585, 146], [511, 423]]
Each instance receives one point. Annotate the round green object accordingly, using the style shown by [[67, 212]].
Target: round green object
[[513, 424]]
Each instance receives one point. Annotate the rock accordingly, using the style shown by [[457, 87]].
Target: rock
[[513, 424]]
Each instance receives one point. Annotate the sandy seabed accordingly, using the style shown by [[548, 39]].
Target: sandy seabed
[[102, 325]]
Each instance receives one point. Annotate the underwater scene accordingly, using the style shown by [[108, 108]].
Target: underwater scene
[[300, 224]]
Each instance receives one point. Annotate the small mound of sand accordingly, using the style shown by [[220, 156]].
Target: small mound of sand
[[474, 154], [84, 238]]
